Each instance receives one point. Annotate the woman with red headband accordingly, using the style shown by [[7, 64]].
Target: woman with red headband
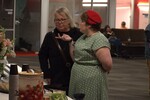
[[92, 60]]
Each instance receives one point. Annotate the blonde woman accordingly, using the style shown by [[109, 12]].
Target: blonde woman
[[54, 57]]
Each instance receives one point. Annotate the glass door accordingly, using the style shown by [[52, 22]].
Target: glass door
[[7, 17], [28, 21], [22, 20]]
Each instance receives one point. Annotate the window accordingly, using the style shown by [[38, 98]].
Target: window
[[94, 3]]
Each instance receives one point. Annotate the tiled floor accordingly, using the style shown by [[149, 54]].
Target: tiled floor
[[128, 80]]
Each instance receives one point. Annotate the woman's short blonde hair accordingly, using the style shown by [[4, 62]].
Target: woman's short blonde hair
[[67, 13]]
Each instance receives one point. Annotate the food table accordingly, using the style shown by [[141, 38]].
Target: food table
[[4, 96], [26, 84]]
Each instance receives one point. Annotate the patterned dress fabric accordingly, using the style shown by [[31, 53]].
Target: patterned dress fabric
[[87, 74]]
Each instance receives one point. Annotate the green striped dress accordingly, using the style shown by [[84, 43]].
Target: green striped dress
[[87, 75]]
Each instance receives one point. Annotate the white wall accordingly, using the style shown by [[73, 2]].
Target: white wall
[[143, 16], [143, 19], [122, 14]]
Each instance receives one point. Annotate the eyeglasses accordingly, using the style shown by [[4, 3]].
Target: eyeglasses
[[60, 20]]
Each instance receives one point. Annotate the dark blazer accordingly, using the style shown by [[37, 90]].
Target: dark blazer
[[51, 60]]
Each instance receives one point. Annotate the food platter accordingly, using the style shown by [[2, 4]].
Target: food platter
[[4, 87]]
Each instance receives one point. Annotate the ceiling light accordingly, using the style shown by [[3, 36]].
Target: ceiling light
[[95, 0], [95, 5], [143, 6]]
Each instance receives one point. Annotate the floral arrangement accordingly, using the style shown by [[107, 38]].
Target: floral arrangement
[[6, 46], [6, 49]]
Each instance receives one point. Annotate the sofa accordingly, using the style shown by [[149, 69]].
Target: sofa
[[133, 41]]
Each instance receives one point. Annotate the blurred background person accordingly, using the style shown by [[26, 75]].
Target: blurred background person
[[115, 43], [147, 50], [107, 31], [123, 25]]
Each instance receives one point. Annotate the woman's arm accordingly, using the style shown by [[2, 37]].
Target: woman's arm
[[71, 48], [44, 56], [104, 57]]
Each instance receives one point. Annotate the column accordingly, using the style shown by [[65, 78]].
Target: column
[[132, 14], [44, 19], [149, 11], [112, 13]]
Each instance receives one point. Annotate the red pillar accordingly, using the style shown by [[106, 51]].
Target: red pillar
[[136, 13]]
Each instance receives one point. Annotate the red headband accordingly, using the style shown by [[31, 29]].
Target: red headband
[[93, 17]]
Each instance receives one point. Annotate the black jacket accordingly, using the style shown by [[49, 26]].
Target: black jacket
[[51, 60], [147, 33]]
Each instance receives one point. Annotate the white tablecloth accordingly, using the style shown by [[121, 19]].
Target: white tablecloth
[[4, 96]]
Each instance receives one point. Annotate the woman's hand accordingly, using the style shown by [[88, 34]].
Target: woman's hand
[[47, 81], [67, 38], [64, 37]]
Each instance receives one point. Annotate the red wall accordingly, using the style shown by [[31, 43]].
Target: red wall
[[136, 13]]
